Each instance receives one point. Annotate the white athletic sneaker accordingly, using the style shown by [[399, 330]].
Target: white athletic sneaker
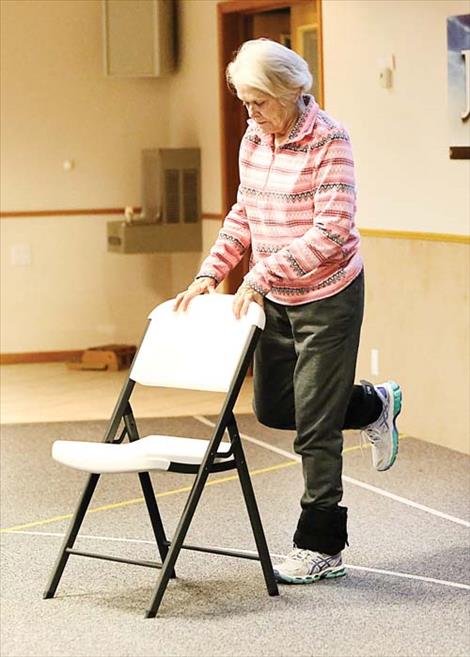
[[383, 433], [306, 566]]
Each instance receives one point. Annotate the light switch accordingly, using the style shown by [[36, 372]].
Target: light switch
[[386, 65], [385, 77]]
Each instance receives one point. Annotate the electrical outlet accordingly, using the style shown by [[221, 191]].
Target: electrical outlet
[[374, 362], [20, 255]]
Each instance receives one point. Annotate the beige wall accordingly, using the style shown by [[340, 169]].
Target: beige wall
[[400, 135], [193, 102], [417, 317], [75, 294], [56, 104]]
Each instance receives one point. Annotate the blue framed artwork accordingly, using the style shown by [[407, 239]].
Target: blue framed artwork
[[458, 66]]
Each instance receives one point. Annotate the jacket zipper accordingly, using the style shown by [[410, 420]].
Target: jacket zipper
[[273, 155]]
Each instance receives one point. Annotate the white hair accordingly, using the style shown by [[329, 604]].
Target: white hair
[[271, 68]]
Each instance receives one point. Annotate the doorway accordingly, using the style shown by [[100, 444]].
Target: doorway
[[294, 23]]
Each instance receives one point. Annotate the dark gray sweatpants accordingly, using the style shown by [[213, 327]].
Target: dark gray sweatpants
[[304, 372]]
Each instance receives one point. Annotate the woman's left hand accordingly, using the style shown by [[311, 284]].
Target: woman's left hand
[[244, 296]]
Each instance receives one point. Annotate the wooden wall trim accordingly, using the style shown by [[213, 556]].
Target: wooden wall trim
[[39, 357], [88, 212], [216, 216], [414, 235], [255, 6], [213, 216], [394, 234], [22, 214]]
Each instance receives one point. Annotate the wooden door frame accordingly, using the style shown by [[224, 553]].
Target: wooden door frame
[[234, 19]]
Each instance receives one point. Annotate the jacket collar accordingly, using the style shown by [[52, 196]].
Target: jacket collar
[[302, 127]]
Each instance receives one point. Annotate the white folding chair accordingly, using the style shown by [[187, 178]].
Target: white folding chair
[[203, 348]]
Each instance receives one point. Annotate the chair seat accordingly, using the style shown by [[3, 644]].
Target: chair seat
[[149, 453]]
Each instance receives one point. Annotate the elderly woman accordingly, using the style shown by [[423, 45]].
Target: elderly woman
[[295, 209]]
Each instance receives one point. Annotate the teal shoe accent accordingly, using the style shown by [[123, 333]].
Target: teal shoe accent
[[397, 404], [335, 573], [383, 433]]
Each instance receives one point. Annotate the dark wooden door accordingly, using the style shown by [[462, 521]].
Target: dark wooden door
[[238, 21]]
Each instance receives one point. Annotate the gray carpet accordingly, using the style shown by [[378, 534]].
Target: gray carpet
[[218, 606]]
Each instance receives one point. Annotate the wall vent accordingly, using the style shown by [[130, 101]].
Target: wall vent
[[171, 193], [139, 37], [171, 205], [171, 185]]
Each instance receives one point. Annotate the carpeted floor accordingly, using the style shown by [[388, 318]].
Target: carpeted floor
[[406, 592]]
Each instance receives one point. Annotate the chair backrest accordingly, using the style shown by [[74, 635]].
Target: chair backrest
[[198, 349]]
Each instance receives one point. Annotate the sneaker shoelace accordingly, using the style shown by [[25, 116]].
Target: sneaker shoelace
[[300, 555], [373, 432], [371, 436]]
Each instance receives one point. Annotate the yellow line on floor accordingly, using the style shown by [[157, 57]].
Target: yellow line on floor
[[139, 500], [176, 491]]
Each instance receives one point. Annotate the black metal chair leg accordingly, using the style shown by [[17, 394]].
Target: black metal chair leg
[[155, 517], [71, 536], [177, 542], [147, 489], [87, 494], [255, 519]]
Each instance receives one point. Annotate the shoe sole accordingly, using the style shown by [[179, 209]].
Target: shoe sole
[[397, 402], [331, 573]]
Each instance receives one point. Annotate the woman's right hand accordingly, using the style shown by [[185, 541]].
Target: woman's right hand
[[203, 285]]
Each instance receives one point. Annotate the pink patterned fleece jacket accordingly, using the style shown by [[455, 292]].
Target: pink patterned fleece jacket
[[295, 207]]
